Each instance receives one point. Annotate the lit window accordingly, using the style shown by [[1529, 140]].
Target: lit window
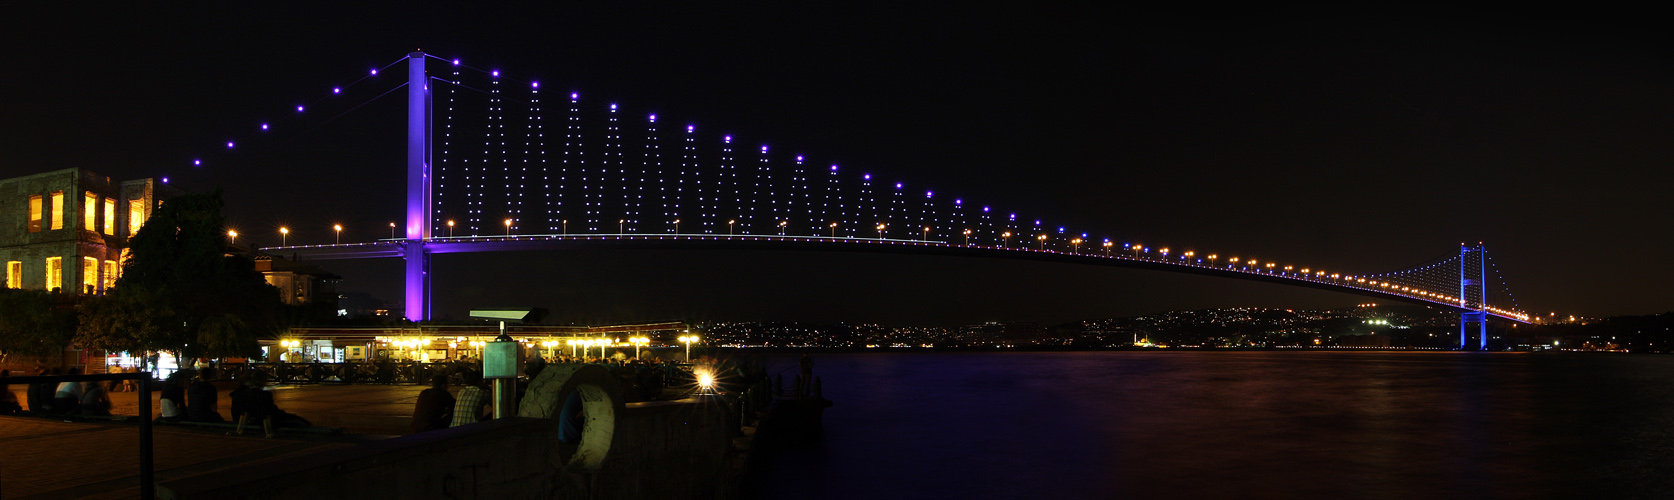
[[58, 210], [111, 270], [14, 274], [90, 275], [54, 273], [89, 210], [136, 216], [110, 216], [35, 214]]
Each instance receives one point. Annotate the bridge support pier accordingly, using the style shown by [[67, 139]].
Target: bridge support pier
[[418, 190], [1481, 320], [417, 280]]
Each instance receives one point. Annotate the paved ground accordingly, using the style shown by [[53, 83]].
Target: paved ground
[[51, 458]]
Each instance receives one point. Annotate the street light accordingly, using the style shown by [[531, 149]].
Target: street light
[[284, 234], [782, 227], [834, 230], [639, 341], [688, 340], [1042, 239], [729, 226], [1075, 246], [339, 229], [392, 229], [676, 226], [508, 227], [967, 237], [450, 228], [1107, 244], [926, 236], [232, 237], [1005, 238], [621, 224], [565, 225], [880, 230]]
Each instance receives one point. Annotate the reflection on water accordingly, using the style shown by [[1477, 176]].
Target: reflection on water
[[1237, 425]]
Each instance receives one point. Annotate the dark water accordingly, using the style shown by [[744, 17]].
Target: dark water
[[1372, 425]]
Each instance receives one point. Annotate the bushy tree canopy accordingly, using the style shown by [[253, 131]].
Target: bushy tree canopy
[[32, 323], [180, 292]]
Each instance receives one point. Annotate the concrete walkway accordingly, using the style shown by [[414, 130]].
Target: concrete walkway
[[52, 458]]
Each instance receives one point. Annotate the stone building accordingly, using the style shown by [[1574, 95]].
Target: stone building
[[68, 229], [298, 283]]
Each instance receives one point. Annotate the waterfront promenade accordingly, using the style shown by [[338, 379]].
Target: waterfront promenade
[[51, 458]]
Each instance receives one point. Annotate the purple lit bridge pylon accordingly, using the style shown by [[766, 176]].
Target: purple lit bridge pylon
[[486, 172]]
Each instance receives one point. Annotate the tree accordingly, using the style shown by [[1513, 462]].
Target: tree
[[32, 323], [181, 292]]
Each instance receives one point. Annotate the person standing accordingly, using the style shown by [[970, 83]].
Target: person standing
[[435, 406], [468, 408]]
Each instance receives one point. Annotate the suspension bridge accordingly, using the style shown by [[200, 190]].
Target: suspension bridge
[[487, 172]]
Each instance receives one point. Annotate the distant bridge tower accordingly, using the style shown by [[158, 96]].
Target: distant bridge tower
[[1473, 294], [418, 190]]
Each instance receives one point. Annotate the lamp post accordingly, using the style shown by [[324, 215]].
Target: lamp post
[[339, 229], [676, 226], [967, 237], [639, 341], [1107, 248], [688, 340], [232, 237], [1075, 246], [926, 236], [621, 226], [284, 235], [1042, 239], [782, 227], [834, 230], [565, 225], [729, 226], [880, 231], [392, 230], [450, 228]]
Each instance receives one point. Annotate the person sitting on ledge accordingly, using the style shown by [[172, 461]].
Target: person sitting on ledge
[[173, 400], [94, 400], [467, 409], [434, 409], [251, 402], [203, 397]]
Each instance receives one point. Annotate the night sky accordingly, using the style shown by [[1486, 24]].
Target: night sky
[[1362, 139]]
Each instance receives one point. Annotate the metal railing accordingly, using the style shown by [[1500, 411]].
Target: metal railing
[[148, 483]]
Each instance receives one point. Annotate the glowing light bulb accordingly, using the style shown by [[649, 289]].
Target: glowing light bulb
[[336, 90], [299, 109], [264, 126], [495, 73], [229, 144], [374, 71], [197, 163]]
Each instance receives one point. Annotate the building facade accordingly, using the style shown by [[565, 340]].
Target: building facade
[[67, 230]]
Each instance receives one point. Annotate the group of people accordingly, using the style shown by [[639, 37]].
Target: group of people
[[63, 398], [191, 400], [439, 409]]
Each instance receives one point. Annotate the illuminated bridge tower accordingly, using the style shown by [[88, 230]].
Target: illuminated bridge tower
[[1473, 295], [417, 294]]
